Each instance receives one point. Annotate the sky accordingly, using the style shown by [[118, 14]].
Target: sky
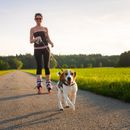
[[75, 27]]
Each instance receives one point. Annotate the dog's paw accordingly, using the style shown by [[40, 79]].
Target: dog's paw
[[61, 109], [66, 106]]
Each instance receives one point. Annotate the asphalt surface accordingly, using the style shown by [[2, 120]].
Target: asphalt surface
[[22, 109]]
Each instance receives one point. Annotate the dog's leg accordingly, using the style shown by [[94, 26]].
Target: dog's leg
[[74, 93], [74, 98], [69, 102], [66, 98], [60, 100], [66, 103]]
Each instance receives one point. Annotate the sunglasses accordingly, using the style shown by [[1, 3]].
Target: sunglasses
[[38, 18]]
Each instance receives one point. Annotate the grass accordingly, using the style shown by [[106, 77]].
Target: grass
[[112, 82], [2, 72]]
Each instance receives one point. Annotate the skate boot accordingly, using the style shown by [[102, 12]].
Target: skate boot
[[39, 87], [49, 86]]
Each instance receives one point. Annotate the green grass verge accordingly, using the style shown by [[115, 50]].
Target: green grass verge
[[2, 72], [112, 82]]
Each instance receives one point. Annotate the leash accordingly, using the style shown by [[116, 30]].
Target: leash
[[59, 66]]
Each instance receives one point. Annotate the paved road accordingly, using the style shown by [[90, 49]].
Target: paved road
[[22, 109]]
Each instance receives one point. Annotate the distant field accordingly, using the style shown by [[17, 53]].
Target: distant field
[[2, 72], [113, 82]]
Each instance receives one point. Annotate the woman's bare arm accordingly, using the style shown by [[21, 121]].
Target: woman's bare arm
[[48, 38], [32, 39]]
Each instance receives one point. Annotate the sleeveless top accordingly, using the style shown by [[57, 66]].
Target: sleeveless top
[[43, 37]]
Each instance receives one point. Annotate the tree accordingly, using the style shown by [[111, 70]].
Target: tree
[[19, 64], [53, 63], [64, 66], [15, 63], [3, 65], [81, 65], [124, 60], [90, 65], [28, 61], [100, 64]]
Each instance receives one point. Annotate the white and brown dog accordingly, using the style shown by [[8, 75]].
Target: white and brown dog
[[67, 86]]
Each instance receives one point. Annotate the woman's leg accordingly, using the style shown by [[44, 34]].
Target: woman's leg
[[38, 58], [46, 56]]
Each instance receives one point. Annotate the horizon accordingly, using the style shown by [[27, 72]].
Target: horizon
[[64, 54], [75, 27]]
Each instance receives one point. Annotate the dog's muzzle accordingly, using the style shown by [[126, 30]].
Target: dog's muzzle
[[68, 78]]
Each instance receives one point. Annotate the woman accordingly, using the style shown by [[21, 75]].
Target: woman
[[39, 36]]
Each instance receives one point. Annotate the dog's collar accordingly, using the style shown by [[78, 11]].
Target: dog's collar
[[65, 83]]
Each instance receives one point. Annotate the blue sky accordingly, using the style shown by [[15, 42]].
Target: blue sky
[[85, 26]]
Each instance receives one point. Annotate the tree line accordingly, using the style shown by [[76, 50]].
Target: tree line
[[27, 61]]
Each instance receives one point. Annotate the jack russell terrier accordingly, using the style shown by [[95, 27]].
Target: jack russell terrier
[[67, 86]]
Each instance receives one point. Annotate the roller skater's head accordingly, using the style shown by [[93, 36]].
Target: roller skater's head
[[38, 18]]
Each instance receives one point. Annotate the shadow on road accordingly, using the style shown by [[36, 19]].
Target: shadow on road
[[40, 117], [19, 96]]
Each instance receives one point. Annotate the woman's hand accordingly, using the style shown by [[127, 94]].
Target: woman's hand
[[48, 38], [38, 40], [52, 45]]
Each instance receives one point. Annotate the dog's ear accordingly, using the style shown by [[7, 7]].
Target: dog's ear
[[74, 74], [59, 73]]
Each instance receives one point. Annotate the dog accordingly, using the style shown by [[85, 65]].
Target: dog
[[65, 86]]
